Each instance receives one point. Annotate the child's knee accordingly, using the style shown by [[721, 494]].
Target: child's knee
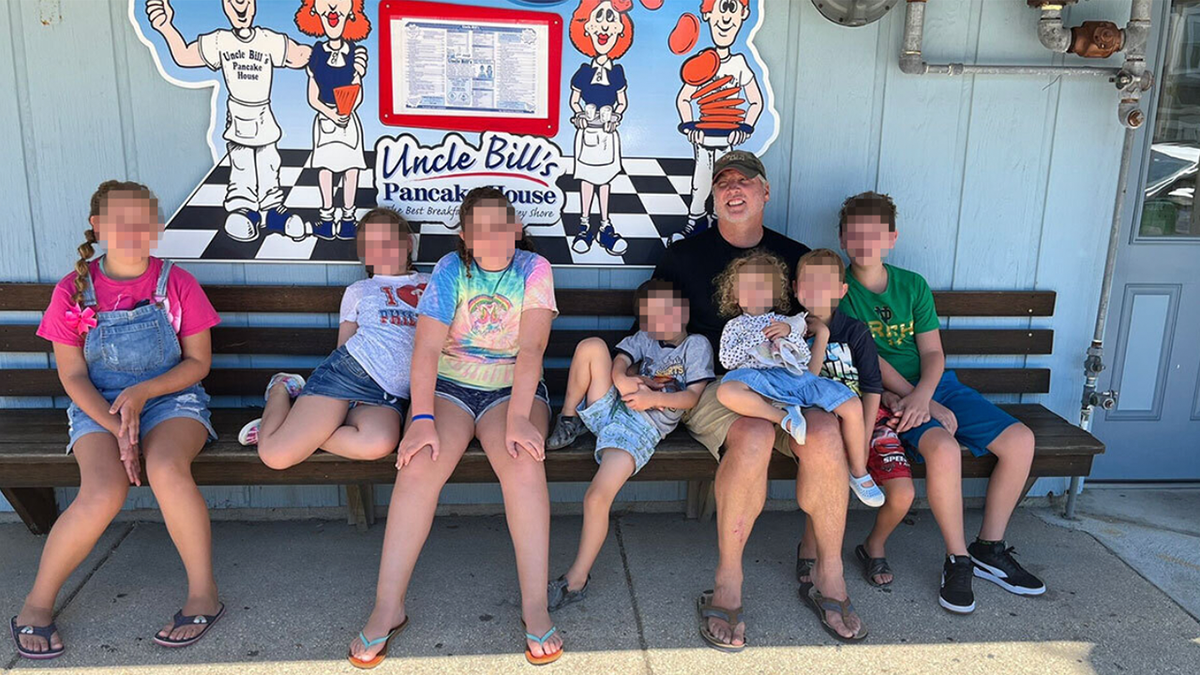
[[1017, 442], [377, 442], [274, 456], [727, 392], [162, 470], [938, 446], [598, 497], [591, 348], [102, 500], [900, 493]]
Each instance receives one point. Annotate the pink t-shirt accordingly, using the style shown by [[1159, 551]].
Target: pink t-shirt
[[188, 306]]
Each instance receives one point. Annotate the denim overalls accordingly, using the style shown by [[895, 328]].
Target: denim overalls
[[129, 347]]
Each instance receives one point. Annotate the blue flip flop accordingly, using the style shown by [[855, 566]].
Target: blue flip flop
[[207, 620], [43, 632]]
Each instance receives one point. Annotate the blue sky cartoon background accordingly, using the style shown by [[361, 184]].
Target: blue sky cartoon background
[[649, 128]]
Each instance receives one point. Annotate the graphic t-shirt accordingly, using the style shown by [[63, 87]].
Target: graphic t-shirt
[[693, 265], [247, 64], [851, 357], [894, 316], [675, 367], [483, 311], [186, 303], [385, 309]]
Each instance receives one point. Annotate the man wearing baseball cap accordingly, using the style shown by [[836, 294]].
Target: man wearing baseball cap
[[740, 192]]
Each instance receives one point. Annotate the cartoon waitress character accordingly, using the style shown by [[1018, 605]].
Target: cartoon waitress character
[[335, 72], [728, 97], [602, 30]]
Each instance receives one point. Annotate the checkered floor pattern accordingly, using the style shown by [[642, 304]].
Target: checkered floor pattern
[[648, 203]]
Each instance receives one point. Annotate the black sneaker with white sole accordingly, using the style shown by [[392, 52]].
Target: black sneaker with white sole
[[956, 595], [995, 563]]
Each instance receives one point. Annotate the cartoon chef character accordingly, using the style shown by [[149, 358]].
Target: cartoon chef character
[[728, 98]]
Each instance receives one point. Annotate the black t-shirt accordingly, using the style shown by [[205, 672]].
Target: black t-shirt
[[693, 265], [851, 357]]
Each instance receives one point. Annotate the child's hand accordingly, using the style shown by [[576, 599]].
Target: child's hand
[[651, 383], [815, 325], [521, 435], [890, 400], [420, 435], [776, 330], [913, 410], [131, 461], [644, 398], [128, 405], [625, 384], [943, 414]]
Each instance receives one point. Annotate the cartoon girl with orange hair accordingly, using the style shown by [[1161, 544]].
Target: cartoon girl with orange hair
[[335, 73], [602, 30]]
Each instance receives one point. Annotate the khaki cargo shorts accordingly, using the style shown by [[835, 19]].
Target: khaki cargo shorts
[[709, 421]]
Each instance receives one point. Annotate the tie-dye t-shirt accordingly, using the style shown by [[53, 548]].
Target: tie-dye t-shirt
[[483, 312]]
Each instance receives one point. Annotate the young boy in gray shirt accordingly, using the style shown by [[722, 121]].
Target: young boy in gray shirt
[[629, 414]]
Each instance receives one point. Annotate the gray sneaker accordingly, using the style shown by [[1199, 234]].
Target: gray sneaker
[[560, 596], [566, 430]]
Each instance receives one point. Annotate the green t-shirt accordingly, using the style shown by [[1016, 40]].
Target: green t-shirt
[[894, 316]]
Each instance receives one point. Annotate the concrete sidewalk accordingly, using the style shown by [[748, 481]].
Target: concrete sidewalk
[[298, 591]]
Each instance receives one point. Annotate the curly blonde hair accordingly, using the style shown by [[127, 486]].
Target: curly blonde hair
[[761, 260]]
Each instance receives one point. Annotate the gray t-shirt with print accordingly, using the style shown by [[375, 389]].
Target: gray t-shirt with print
[[385, 309], [675, 367]]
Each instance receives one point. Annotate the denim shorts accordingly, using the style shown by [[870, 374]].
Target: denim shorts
[[979, 420], [341, 376], [616, 426], [190, 403], [479, 401], [783, 386]]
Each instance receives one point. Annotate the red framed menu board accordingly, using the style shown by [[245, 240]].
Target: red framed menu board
[[463, 68]]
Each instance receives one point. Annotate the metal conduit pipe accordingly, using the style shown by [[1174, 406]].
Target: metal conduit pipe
[[912, 63], [1051, 32]]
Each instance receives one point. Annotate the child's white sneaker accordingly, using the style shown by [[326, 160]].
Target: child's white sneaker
[[870, 495], [249, 433], [293, 382]]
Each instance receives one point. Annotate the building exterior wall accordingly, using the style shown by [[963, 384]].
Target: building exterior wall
[[1002, 183]]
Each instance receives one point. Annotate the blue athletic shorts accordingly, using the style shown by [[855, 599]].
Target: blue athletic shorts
[[979, 420]]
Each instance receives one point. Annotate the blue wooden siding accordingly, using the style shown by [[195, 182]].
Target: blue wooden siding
[[1001, 182]]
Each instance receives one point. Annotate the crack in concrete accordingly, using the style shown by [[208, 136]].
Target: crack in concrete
[[637, 613], [129, 528]]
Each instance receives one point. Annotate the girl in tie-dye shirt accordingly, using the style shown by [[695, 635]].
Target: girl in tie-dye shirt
[[483, 324]]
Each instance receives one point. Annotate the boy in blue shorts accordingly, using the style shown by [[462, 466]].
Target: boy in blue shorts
[[934, 411], [629, 414]]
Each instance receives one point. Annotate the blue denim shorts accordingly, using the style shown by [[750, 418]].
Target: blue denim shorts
[[783, 386], [979, 420], [341, 376], [616, 426], [479, 401], [190, 403]]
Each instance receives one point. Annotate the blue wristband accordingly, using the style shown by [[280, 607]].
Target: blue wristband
[[422, 417]]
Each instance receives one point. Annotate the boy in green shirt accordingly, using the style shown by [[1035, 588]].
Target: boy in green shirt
[[934, 412]]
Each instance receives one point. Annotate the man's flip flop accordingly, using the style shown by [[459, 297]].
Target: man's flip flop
[[822, 604], [206, 620], [733, 617], [43, 632], [545, 658], [873, 567], [387, 644]]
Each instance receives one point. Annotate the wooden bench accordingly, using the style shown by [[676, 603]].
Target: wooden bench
[[32, 461]]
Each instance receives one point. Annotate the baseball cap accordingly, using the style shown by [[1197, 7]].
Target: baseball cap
[[746, 163]]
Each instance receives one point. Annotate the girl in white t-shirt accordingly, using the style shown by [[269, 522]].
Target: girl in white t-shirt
[[354, 402]]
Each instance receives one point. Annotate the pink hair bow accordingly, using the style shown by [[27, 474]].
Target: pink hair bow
[[81, 319]]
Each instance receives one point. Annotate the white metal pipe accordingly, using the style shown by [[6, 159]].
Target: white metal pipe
[[1051, 32]]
